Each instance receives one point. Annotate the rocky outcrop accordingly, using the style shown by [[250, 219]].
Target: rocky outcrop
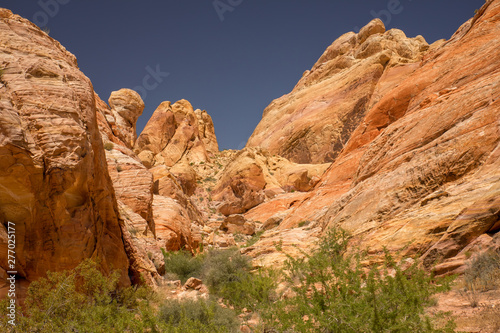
[[421, 170], [174, 229], [167, 184], [237, 224], [53, 175], [206, 131], [313, 123], [254, 175], [150, 225], [176, 133], [132, 182], [126, 107]]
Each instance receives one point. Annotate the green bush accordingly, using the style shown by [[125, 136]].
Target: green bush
[[183, 264], [304, 223], [255, 238], [254, 291], [198, 316], [332, 292], [223, 266], [82, 300], [483, 271], [109, 146], [227, 275]]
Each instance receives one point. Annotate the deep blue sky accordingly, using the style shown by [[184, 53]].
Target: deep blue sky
[[232, 68]]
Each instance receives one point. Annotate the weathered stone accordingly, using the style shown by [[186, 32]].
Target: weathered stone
[[126, 107], [420, 169], [237, 224], [193, 283], [173, 225], [133, 183], [176, 133], [53, 174], [313, 123], [254, 174]]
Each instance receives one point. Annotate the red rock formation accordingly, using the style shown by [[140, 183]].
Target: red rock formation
[[254, 175], [422, 169], [176, 132], [313, 122], [53, 175]]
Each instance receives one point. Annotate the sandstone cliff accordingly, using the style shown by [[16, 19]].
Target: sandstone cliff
[[53, 175], [420, 171], [154, 203], [313, 122]]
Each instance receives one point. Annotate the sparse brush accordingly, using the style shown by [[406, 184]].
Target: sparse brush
[[183, 264], [255, 238], [332, 292], [483, 271], [198, 316]]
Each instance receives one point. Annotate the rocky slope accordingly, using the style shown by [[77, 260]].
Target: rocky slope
[[420, 171], [53, 175], [313, 122]]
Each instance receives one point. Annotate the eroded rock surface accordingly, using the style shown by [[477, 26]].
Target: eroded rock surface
[[254, 175], [53, 175], [176, 132], [421, 170], [313, 123]]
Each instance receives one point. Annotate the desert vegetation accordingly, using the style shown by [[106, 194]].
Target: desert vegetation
[[328, 290]]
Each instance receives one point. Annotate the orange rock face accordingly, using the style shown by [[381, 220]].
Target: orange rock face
[[53, 173], [176, 132], [314, 122], [254, 175], [421, 171], [126, 107]]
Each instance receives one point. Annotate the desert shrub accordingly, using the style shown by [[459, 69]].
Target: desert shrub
[[223, 266], [109, 146], [332, 292], [227, 274], [82, 300], [197, 316], [251, 290], [304, 223], [483, 271], [255, 238], [182, 264]]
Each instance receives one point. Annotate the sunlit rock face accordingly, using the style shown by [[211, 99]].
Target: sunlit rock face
[[313, 123], [254, 175], [176, 133], [54, 181], [419, 169]]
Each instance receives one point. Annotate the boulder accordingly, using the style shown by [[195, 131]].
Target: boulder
[[237, 224]]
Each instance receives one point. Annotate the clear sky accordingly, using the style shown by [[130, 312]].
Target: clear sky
[[230, 57]]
